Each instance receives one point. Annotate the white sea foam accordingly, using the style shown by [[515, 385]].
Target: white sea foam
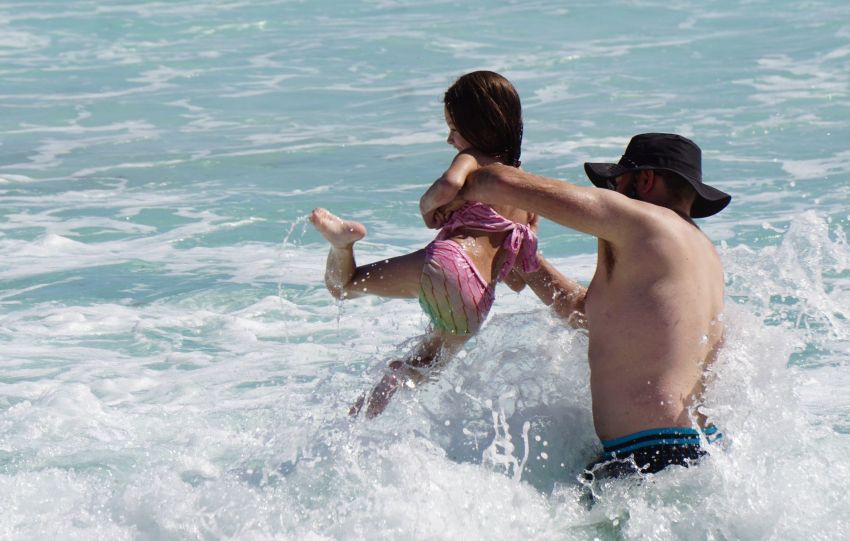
[[539, 388], [51, 151], [13, 42], [836, 165], [15, 179], [787, 78], [523, 368]]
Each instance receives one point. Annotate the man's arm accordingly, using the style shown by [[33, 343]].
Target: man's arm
[[565, 296], [604, 214]]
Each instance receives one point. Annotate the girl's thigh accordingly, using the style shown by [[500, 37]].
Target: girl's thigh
[[393, 277]]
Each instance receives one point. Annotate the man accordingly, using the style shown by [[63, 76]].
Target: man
[[653, 309]]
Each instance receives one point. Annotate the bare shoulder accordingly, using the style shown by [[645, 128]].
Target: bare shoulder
[[466, 159], [655, 233], [690, 250], [462, 164], [475, 157]]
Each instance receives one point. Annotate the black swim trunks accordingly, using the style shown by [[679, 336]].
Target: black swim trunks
[[649, 451]]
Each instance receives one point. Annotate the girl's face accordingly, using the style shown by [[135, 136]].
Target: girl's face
[[455, 139]]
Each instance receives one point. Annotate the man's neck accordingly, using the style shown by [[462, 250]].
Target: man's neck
[[685, 216]]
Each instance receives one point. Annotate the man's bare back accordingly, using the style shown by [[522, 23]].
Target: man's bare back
[[654, 319]]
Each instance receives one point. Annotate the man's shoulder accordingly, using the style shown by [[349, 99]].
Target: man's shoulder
[[658, 222], [639, 222], [661, 235]]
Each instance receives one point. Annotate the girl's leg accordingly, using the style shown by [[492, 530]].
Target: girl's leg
[[457, 299], [394, 277], [341, 234], [435, 350]]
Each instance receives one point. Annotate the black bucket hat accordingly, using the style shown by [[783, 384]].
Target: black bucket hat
[[663, 152]]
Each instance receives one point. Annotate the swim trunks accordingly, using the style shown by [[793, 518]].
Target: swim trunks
[[452, 291], [649, 451]]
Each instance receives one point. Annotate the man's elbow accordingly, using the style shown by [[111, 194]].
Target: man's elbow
[[477, 181]]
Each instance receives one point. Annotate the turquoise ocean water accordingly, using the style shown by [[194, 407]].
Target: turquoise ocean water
[[171, 366]]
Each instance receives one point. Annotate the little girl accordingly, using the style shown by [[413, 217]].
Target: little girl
[[455, 276]]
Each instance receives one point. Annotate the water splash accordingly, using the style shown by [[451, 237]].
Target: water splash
[[500, 452]]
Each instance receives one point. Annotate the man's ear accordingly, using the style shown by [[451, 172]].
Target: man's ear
[[645, 181]]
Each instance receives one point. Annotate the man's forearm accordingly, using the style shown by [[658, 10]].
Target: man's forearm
[[502, 185], [584, 209]]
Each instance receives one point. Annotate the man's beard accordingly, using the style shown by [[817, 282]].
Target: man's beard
[[631, 192]]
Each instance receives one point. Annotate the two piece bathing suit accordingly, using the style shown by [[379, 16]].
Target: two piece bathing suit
[[452, 291]]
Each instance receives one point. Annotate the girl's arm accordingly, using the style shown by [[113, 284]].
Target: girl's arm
[[514, 281], [565, 296], [445, 188]]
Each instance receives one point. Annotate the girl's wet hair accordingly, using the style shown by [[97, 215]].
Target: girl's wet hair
[[486, 110]]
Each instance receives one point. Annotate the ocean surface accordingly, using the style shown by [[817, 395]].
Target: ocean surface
[[172, 367]]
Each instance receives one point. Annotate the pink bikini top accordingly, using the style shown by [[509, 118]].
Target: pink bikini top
[[521, 242]]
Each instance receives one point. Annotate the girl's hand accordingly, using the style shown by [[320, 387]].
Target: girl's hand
[[443, 214], [433, 219]]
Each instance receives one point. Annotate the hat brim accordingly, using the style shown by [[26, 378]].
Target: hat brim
[[601, 174], [709, 200]]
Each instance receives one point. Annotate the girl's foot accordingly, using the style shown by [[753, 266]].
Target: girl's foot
[[340, 233]]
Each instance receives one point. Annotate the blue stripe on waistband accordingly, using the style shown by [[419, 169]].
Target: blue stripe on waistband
[[689, 442], [655, 436], [660, 432]]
